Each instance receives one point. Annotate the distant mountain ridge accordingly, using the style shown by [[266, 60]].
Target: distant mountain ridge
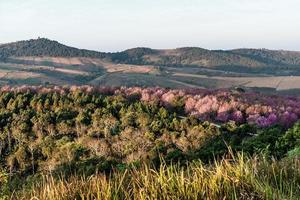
[[187, 56]]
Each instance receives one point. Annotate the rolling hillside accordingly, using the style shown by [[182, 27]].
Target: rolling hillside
[[188, 56], [43, 62]]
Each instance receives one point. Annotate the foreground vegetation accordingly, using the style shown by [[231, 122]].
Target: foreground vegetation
[[134, 143], [235, 178]]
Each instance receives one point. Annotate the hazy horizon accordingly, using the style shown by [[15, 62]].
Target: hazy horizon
[[115, 25]]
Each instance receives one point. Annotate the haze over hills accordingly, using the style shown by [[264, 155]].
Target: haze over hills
[[43, 61]]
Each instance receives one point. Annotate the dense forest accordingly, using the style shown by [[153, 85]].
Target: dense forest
[[147, 143]]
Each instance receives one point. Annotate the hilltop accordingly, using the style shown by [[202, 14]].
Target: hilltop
[[44, 47]]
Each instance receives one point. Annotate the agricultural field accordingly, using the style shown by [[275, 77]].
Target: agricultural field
[[97, 72]]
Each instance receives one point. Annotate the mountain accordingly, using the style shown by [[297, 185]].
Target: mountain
[[43, 61]]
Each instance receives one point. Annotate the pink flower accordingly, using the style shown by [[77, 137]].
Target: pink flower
[[237, 116], [288, 118], [222, 117]]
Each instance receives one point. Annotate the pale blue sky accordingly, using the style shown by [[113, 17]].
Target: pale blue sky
[[114, 25]]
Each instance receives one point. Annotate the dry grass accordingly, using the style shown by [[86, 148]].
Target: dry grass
[[57, 60], [110, 67], [237, 178], [127, 68]]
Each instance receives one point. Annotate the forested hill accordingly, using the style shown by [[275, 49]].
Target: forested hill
[[194, 56], [188, 56], [44, 47]]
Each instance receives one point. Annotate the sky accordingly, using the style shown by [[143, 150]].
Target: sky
[[116, 25]]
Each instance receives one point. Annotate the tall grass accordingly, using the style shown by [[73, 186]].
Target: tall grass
[[237, 178]]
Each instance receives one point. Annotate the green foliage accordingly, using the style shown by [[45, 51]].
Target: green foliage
[[265, 140], [79, 133], [4, 185], [294, 153], [290, 140]]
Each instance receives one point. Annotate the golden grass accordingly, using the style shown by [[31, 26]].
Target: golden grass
[[236, 178]]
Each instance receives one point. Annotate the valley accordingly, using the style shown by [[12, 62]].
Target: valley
[[43, 70]]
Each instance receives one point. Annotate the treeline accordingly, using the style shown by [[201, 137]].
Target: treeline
[[217, 106]]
